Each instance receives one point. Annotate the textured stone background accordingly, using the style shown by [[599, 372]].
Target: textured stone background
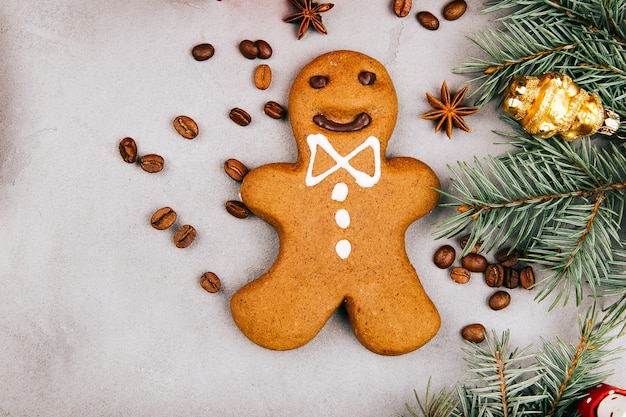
[[101, 314]]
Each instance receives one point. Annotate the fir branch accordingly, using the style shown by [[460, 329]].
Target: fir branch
[[548, 383], [560, 202]]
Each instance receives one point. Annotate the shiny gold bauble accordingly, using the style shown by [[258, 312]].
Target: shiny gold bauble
[[553, 104]]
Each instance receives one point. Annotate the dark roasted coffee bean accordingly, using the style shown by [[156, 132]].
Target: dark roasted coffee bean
[[494, 275], [454, 9], [428, 20], [184, 236], [163, 218], [203, 51], [508, 256], [474, 262], [235, 169], [499, 300], [511, 278], [474, 333], [210, 282], [152, 163], [527, 277], [237, 209], [186, 127], [264, 50], [465, 239], [248, 49], [128, 150], [274, 110], [444, 256], [460, 275], [240, 116]]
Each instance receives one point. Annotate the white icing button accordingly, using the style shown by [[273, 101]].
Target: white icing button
[[343, 248], [340, 192], [342, 217]]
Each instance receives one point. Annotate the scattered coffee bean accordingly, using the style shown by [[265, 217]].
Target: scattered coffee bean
[[527, 277], [235, 169], [203, 51], [454, 9], [508, 256], [210, 282], [163, 218], [460, 275], [152, 163], [474, 262], [465, 239], [274, 110], [428, 20], [511, 278], [186, 127], [402, 7], [184, 236], [240, 116], [474, 333], [262, 77], [444, 256], [248, 49], [237, 209], [494, 275], [499, 300], [128, 150], [264, 50]]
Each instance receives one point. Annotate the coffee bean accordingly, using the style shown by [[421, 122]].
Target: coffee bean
[[235, 169], [128, 150], [474, 262], [428, 20], [402, 7], [210, 282], [152, 163], [460, 275], [511, 278], [186, 127], [474, 333], [248, 49], [494, 275], [444, 256], [237, 209], [499, 300], [163, 218], [262, 77], [508, 256], [454, 9], [465, 239], [240, 116], [274, 110], [264, 50], [184, 236], [203, 51], [527, 277]]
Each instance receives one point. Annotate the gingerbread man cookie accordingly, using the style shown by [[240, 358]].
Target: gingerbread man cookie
[[341, 212]]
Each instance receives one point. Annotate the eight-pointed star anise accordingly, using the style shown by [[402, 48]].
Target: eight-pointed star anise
[[449, 110], [309, 14]]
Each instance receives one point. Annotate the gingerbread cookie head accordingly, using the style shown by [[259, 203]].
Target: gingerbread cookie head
[[341, 212], [319, 102]]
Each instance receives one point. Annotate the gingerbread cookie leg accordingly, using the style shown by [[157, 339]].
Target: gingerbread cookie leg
[[281, 310], [393, 320]]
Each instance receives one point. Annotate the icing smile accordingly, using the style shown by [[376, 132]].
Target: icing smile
[[361, 121]]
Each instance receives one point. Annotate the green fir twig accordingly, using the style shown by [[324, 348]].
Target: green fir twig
[[524, 383]]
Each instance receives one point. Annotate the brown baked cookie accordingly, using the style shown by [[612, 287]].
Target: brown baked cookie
[[341, 212]]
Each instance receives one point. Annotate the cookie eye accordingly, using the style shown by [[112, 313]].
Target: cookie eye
[[367, 78], [318, 81]]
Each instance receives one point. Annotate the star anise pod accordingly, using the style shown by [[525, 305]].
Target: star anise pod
[[309, 14], [449, 111]]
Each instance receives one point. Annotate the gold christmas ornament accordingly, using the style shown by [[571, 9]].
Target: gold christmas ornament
[[552, 104]]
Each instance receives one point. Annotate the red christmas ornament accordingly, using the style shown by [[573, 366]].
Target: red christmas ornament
[[603, 401]]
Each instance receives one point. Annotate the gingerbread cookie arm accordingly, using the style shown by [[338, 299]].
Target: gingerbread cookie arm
[[419, 184]]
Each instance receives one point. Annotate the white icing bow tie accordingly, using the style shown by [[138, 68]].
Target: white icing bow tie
[[362, 178]]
